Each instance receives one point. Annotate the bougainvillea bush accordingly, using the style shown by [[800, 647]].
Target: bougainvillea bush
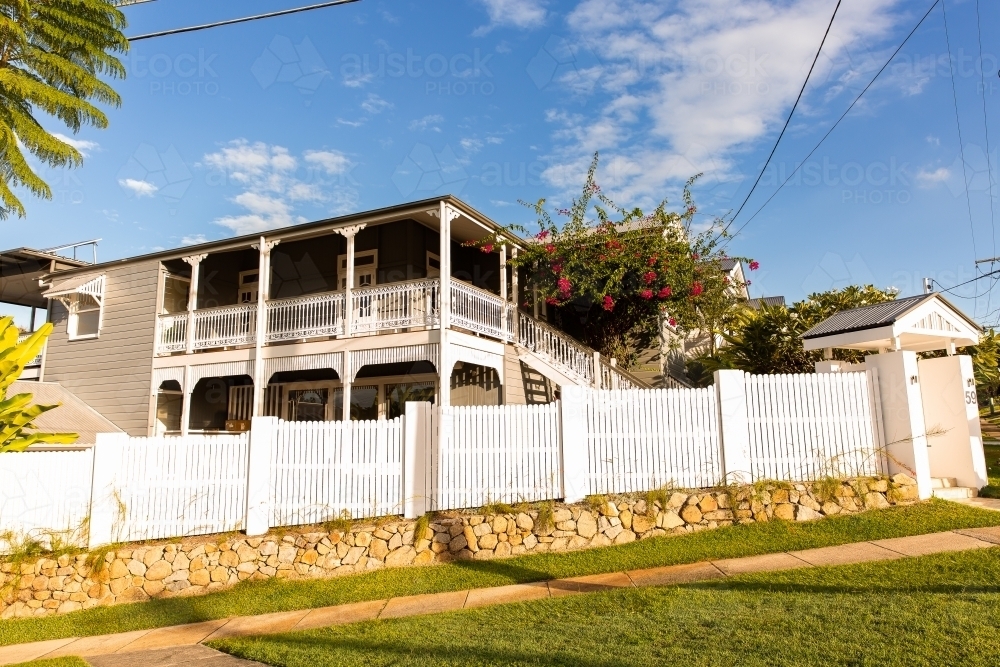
[[610, 276]]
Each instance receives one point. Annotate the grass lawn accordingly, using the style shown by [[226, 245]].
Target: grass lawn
[[936, 610], [282, 595], [54, 662], [992, 471]]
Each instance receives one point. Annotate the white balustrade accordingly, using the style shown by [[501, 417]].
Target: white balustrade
[[305, 317], [479, 311], [226, 326], [613, 378], [172, 333], [556, 347], [396, 306]]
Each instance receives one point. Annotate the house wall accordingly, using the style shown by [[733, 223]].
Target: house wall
[[218, 282], [475, 385], [111, 373]]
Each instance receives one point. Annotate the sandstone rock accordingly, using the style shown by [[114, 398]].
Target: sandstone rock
[[609, 509], [613, 531], [134, 594], [625, 516], [199, 578], [136, 568], [785, 512], [586, 525], [378, 549], [880, 485], [903, 479], [524, 522], [641, 523], [875, 500], [904, 493], [153, 588], [708, 504], [676, 501], [180, 562], [401, 556], [807, 514], [158, 570], [558, 544], [269, 548], [353, 555], [503, 550], [718, 515], [246, 554], [68, 606], [151, 556], [309, 557], [810, 502], [779, 496], [670, 520], [482, 529], [561, 514], [424, 558], [219, 575], [530, 542], [470, 539], [362, 539], [625, 537], [499, 524], [457, 544], [230, 559], [600, 540], [830, 508], [488, 541], [577, 542], [117, 569], [691, 514], [396, 541]]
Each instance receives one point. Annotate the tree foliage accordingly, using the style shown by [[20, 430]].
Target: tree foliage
[[53, 55], [768, 340], [608, 275], [17, 413]]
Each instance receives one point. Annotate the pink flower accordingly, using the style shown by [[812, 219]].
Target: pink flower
[[616, 245], [749, 283], [608, 303], [754, 266], [562, 211], [488, 248], [694, 256], [696, 289], [602, 257], [552, 301], [542, 234], [594, 187], [646, 294], [564, 286], [665, 292], [557, 269], [651, 261], [649, 277], [550, 248], [672, 322]]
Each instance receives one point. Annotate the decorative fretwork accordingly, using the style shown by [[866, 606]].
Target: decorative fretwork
[[396, 306], [225, 327], [312, 316]]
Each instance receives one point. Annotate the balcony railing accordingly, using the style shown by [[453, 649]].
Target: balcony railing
[[388, 307], [37, 361]]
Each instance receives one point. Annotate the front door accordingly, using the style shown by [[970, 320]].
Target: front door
[[308, 405], [249, 286]]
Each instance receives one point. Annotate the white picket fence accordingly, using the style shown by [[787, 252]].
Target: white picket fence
[[45, 496], [496, 454], [745, 428], [806, 427], [641, 440], [320, 470]]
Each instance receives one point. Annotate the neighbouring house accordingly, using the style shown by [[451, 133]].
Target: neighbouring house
[[72, 416], [347, 316]]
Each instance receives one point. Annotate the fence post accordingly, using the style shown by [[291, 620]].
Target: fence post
[[573, 443], [262, 433], [417, 437], [105, 509], [734, 427]]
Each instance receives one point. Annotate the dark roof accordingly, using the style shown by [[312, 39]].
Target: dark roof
[[867, 317], [341, 221], [769, 301], [72, 416], [727, 263]]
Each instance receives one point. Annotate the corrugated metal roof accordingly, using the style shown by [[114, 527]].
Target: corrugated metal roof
[[866, 317], [770, 301], [73, 416]]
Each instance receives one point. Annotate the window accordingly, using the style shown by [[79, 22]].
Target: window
[[307, 405], [249, 286], [365, 266], [176, 290], [433, 265], [398, 394], [364, 403], [169, 402], [84, 317]]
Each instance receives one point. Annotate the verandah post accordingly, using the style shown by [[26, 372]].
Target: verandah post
[[258, 513], [573, 443], [734, 426]]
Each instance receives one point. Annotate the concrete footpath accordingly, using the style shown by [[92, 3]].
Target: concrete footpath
[[178, 645]]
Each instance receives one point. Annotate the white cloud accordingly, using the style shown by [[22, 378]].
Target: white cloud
[[427, 123], [272, 188], [138, 188], [375, 104], [471, 145], [931, 139], [523, 14], [351, 123], [928, 179], [194, 239], [689, 87], [82, 145], [494, 140]]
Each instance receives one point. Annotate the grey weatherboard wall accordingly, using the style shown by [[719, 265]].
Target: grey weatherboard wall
[[111, 373]]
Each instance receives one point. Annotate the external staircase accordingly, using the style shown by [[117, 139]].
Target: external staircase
[[947, 488]]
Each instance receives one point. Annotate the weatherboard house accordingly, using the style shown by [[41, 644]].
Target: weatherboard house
[[347, 316]]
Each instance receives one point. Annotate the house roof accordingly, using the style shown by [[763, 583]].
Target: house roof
[[919, 323], [72, 416], [769, 301], [20, 269], [305, 229]]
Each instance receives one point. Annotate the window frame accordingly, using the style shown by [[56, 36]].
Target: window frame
[[75, 308]]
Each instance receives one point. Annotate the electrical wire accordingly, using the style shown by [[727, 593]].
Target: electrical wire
[[986, 128], [787, 121], [834, 126], [961, 142], [205, 26]]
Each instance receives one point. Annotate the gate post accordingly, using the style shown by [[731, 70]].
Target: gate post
[[258, 515], [418, 433], [734, 427], [105, 509], [573, 443]]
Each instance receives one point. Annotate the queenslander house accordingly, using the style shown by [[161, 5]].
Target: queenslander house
[[342, 318]]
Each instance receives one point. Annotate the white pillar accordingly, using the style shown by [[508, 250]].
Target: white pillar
[[574, 449], [349, 233], [734, 426], [597, 370], [258, 510], [186, 402], [513, 280], [445, 215], [260, 332], [417, 446], [105, 509], [903, 416], [195, 262], [345, 383], [503, 273]]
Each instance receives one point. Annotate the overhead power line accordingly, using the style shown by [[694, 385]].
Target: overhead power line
[[787, 120], [834, 126], [986, 125], [245, 19]]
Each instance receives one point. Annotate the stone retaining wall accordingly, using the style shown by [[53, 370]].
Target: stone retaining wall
[[199, 565]]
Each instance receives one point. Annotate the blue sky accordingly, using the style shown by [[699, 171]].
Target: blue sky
[[265, 124]]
